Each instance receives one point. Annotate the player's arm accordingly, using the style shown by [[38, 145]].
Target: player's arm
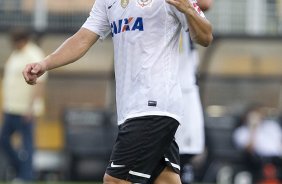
[[200, 28], [70, 51]]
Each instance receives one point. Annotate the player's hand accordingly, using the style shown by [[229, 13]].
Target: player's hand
[[32, 71], [181, 5]]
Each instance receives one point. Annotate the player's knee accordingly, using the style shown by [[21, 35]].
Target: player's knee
[[168, 176], [108, 179], [111, 180]]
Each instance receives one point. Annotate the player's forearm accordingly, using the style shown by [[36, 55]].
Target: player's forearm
[[71, 50], [200, 28]]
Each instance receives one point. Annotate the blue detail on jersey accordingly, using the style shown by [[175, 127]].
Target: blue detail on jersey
[[127, 24], [138, 24], [192, 45]]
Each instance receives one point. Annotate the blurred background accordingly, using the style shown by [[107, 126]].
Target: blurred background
[[74, 137]]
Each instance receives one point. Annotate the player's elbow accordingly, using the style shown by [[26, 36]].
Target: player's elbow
[[204, 40], [207, 40], [203, 36]]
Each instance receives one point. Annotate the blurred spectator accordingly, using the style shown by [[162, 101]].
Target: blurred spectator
[[22, 103], [261, 141]]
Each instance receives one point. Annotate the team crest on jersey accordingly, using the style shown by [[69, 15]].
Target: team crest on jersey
[[144, 3], [124, 3]]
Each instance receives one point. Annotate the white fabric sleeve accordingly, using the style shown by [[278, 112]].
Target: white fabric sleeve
[[97, 21], [179, 15], [182, 17]]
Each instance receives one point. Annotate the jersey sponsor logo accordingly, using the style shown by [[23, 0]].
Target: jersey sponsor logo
[[127, 24], [144, 3], [124, 3], [116, 166]]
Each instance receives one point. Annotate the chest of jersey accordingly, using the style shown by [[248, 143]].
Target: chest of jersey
[[134, 15]]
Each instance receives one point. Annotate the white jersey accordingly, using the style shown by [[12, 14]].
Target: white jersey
[[190, 134], [145, 36]]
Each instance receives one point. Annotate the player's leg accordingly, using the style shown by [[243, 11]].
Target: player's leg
[[139, 149], [112, 180], [168, 176], [168, 171]]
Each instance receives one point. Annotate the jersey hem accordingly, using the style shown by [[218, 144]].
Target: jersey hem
[[151, 113]]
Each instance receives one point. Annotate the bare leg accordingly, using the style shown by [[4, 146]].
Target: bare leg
[[112, 180], [168, 176]]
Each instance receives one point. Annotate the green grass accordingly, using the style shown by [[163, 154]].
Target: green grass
[[53, 182], [57, 182]]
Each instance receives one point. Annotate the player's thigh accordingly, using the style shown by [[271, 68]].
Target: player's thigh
[[168, 176], [112, 180]]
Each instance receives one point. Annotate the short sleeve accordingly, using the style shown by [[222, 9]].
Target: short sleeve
[[179, 15], [97, 21], [182, 17]]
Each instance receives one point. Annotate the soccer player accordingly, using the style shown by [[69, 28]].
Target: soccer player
[[190, 134], [149, 101]]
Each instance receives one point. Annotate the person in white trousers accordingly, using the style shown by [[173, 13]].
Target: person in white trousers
[[190, 134]]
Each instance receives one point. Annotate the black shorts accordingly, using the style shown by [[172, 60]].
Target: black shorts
[[144, 147]]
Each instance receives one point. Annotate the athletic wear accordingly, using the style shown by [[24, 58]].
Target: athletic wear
[[190, 135], [148, 94], [144, 147], [145, 35]]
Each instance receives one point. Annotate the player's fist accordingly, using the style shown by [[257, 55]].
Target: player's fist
[[32, 71]]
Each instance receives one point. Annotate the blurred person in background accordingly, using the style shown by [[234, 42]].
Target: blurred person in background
[[260, 139], [21, 104], [190, 134]]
